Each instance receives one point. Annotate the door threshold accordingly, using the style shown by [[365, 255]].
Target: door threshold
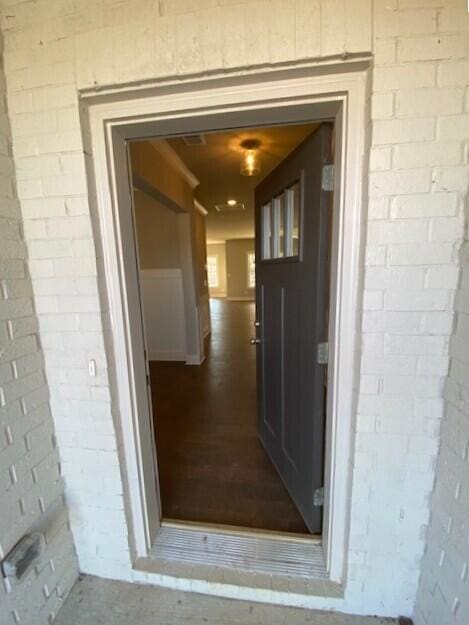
[[237, 530], [240, 558]]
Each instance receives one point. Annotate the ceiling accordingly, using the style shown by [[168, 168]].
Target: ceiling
[[216, 164]]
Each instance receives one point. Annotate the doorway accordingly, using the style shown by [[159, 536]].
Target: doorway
[[272, 96], [239, 429]]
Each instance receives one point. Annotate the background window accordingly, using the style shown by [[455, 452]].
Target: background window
[[212, 271], [251, 270]]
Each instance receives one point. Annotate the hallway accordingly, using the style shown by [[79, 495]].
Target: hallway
[[212, 467]]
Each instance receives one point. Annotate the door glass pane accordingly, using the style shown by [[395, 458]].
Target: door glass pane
[[278, 227], [292, 220], [288, 222], [266, 231], [296, 219]]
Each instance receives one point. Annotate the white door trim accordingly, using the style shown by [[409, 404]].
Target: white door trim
[[287, 94]]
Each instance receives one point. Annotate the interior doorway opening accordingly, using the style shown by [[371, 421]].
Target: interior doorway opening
[[233, 235]]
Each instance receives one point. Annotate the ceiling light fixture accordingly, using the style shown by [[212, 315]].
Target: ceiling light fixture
[[250, 163], [231, 202]]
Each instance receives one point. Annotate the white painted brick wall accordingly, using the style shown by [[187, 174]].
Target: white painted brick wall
[[443, 595], [31, 485], [418, 178], [414, 229]]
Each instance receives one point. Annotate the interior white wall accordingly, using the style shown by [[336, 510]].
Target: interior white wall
[[163, 313], [171, 260], [157, 233], [31, 484], [194, 338], [231, 224], [417, 182], [199, 243], [162, 286], [237, 287]]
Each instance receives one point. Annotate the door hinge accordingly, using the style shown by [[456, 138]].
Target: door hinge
[[323, 353], [327, 182], [318, 497]]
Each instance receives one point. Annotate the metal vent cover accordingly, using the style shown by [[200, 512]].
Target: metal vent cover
[[198, 139], [230, 208]]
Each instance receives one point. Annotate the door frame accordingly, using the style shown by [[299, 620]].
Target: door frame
[[273, 95]]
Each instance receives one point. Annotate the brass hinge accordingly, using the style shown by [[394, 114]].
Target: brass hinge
[[318, 497], [327, 182]]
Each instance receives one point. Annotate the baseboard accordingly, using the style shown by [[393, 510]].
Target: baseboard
[[169, 356], [247, 298], [194, 359]]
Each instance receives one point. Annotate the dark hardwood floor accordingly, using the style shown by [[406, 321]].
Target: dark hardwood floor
[[212, 467]]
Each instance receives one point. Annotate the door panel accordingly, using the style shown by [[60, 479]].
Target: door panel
[[270, 363], [290, 359], [292, 233]]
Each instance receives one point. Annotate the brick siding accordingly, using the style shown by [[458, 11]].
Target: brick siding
[[31, 485], [417, 181]]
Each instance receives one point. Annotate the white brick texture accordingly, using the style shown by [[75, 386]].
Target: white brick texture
[[417, 182], [31, 484], [443, 595]]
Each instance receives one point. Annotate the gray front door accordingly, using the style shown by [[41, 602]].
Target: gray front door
[[292, 276]]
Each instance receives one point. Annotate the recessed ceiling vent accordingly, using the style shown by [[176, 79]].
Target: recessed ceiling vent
[[230, 208], [194, 140]]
